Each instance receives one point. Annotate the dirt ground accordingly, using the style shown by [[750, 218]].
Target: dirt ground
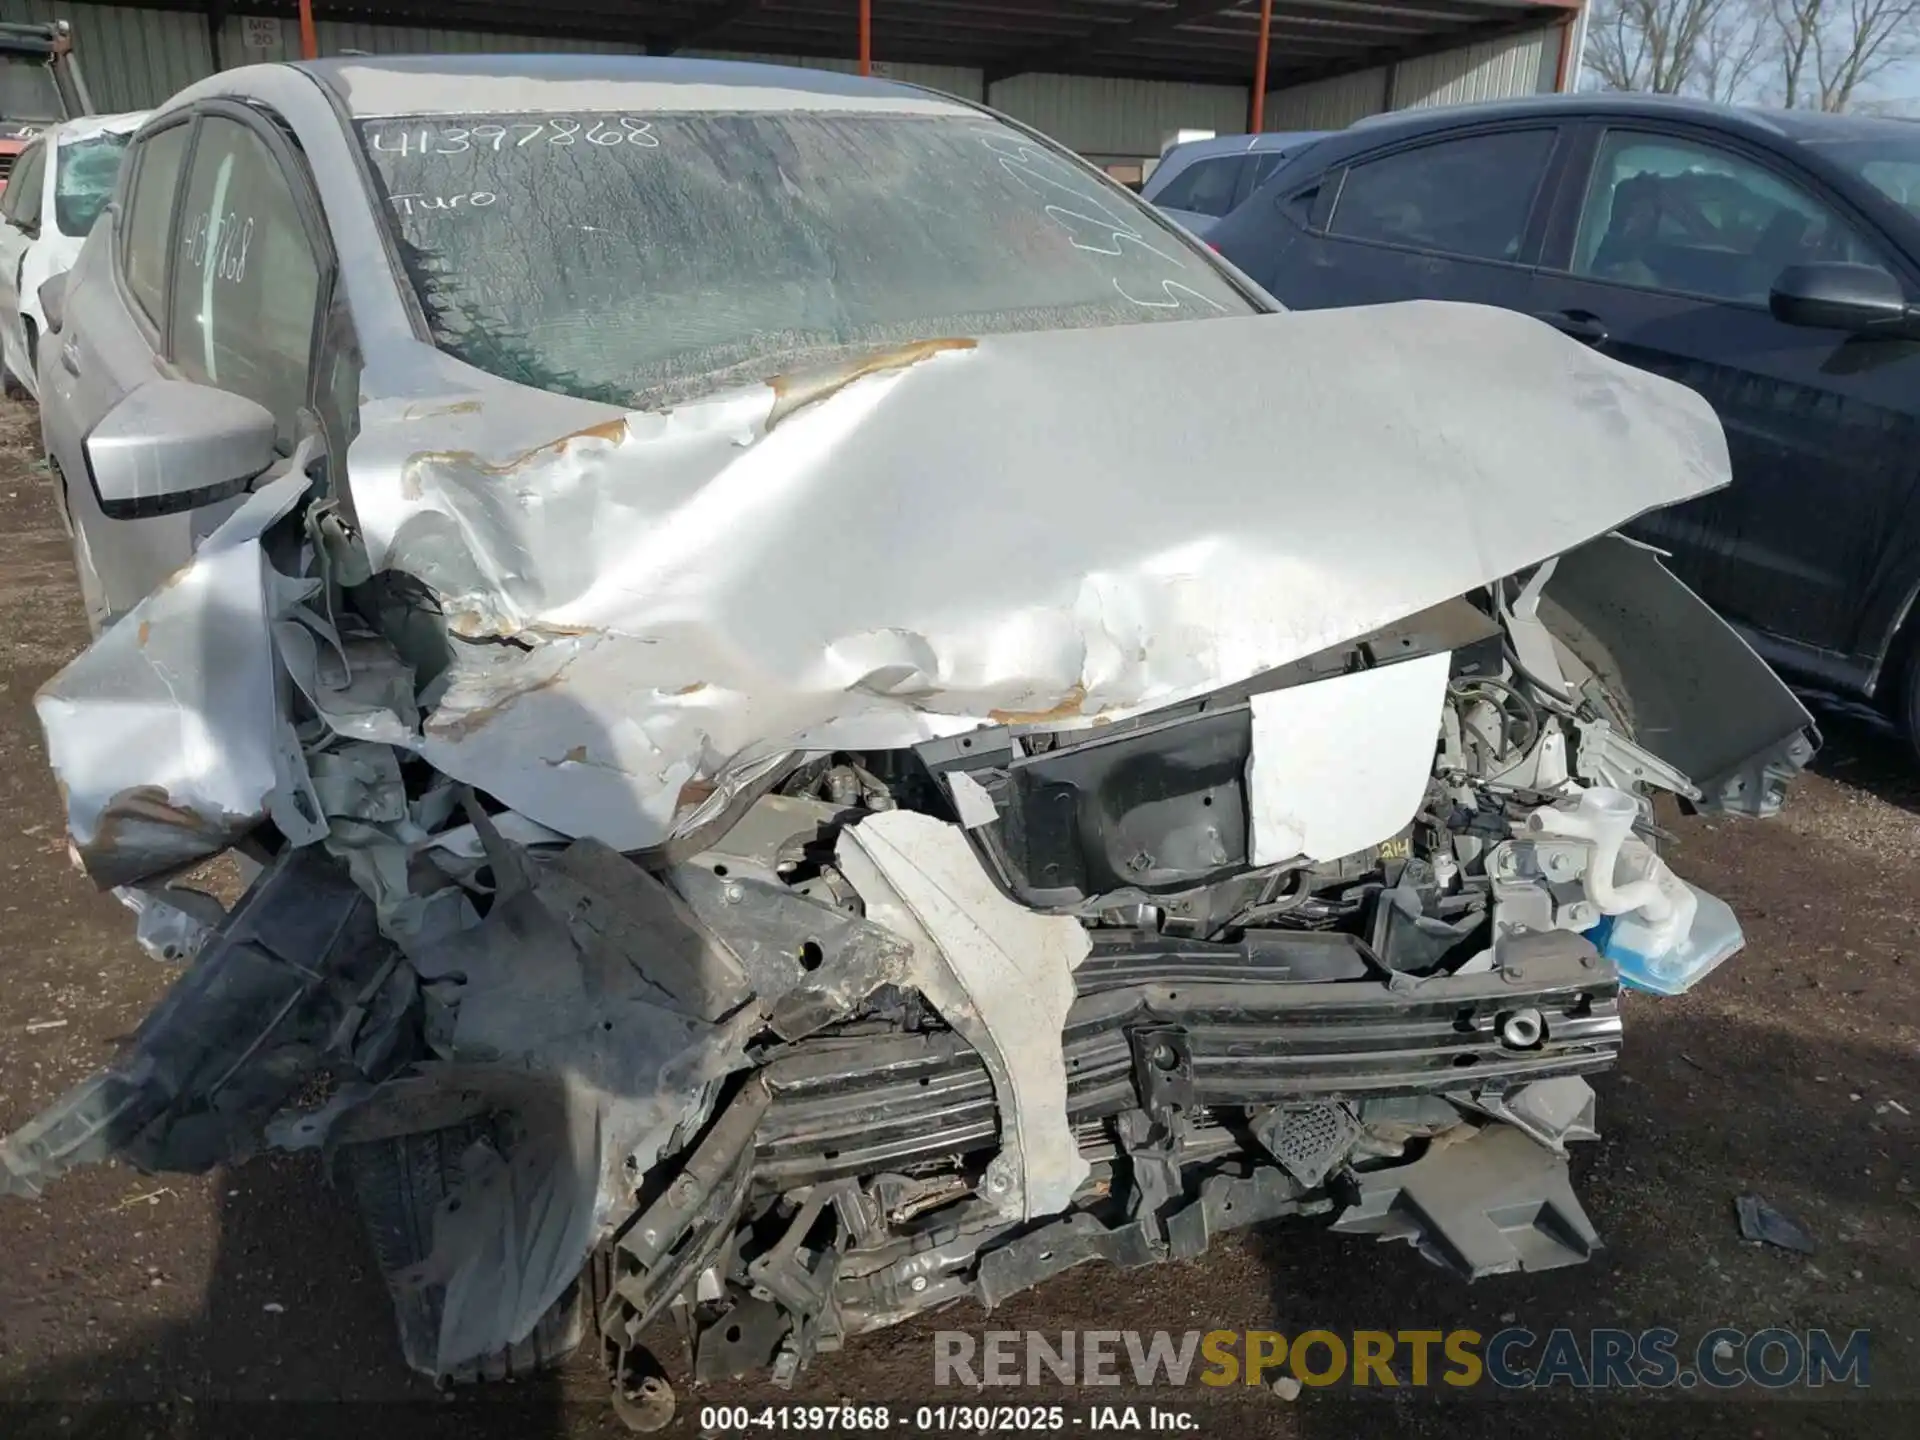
[[239, 1302]]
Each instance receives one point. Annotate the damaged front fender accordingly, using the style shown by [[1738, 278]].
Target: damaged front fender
[[170, 734]]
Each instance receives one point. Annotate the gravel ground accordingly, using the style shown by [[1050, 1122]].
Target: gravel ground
[[237, 1301]]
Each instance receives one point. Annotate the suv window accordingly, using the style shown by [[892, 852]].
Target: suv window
[[1670, 214], [149, 219], [1468, 197], [1204, 187], [247, 283], [21, 203]]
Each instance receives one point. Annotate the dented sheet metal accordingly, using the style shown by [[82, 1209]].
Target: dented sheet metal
[[169, 734], [999, 974], [1032, 534]]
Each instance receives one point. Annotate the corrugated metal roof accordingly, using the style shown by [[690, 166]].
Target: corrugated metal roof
[[131, 59], [1491, 70], [1111, 118], [135, 58], [1328, 104], [336, 37], [961, 80]]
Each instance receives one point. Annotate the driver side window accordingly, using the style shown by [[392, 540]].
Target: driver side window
[[1663, 213], [246, 284]]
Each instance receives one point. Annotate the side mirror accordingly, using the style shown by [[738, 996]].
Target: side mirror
[[171, 446], [53, 300], [1835, 296]]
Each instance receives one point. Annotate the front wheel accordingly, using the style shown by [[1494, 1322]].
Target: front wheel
[[399, 1185], [1906, 699]]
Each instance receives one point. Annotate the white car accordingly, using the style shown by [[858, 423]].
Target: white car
[[48, 208]]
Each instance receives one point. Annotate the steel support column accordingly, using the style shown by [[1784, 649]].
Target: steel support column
[[866, 37], [1257, 110]]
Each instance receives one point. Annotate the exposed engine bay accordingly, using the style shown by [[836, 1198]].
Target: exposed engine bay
[[892, 1014], [914, 1026]]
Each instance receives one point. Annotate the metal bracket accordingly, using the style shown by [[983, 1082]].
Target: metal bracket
[[1607, 757], [1162, 1070], [1531, 640]]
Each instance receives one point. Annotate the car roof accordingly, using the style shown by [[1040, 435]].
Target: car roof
[[384, 85], [1261, 143], [1797, 125], [85, 127]]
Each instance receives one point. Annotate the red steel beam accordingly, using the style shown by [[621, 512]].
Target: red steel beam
[[309, 45], [1256, 119], [866, 36]]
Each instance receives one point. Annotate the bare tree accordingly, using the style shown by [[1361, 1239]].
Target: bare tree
[[1800, 54], [1827, 50], [1677, 47], [1732, 52]]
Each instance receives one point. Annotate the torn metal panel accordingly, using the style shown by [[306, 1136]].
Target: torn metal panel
[[810, 963], [169, 734], [558, 983], [665, 568], [618, 915], [1343, 764], [999, 974], [1703, 701]]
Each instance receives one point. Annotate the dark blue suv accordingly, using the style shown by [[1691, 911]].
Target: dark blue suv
[[1770, 260]]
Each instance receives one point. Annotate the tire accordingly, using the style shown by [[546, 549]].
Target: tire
[[398, 1185], [1906, 698]]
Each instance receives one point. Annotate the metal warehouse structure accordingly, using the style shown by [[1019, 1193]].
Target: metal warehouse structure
[[1114, 79]]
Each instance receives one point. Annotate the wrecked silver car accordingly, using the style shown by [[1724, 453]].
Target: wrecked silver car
[[862, 762]]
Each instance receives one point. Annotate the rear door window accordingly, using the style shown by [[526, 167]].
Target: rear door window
[[149, 224], [1206, 187], [1469, 197]]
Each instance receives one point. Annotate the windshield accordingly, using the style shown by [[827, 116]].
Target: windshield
[[27, 91], [1891, 167], [84, 183], [636, 260]]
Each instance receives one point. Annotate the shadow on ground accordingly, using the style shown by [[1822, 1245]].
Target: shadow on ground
[[1868, 754], [291, 1259]]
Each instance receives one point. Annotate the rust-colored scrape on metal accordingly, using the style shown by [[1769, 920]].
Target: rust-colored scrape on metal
[[464, 407], [796, 392], [144, 829], [459, 727], [611, 431], [694, 792], [145, 633], [1067, 709]]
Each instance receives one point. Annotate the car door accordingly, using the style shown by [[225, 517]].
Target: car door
[[221, 276], [20, 207], [1449, 217], [1665, 259]]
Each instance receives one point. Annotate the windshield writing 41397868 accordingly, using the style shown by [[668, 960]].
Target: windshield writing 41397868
[[640, 260]]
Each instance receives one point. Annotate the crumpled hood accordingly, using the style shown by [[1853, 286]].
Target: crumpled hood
[[1056, 526]]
